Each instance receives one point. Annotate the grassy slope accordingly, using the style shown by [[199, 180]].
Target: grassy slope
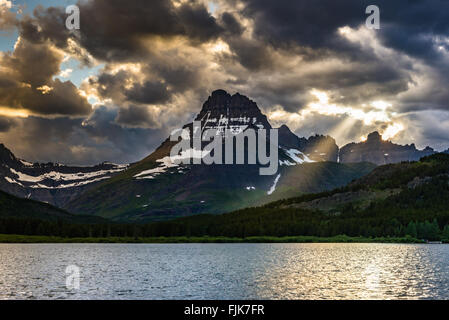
[[11, 206], [172, 195], [316, 177], [380, 183]]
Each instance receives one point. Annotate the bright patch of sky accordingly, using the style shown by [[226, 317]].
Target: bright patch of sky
[[212, 6], [73, 71]]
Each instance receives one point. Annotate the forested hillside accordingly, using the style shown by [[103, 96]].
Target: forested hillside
[[409, 198]]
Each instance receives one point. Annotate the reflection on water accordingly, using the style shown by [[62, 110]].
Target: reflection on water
[[226, 271]]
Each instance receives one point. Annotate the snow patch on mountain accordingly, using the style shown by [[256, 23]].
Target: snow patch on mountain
[[286, 163], [170, 162], [58, 176], [26, 163], [61, 186], [273, 187], [295, 155], [58, 180], [13, 181]]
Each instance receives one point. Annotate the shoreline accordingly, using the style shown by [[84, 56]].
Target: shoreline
[[12, 238]]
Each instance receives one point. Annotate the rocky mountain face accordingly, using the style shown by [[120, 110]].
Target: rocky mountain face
[[380, 152], [49, 182], [316, 148], [236, 113], [157, 189], [222, 111]]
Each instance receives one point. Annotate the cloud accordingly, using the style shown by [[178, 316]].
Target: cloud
[[65, 73], [124, 28], [6, 123], [150, 92], [138, 117], [26, 82], [79, 141], [8, 18], [231, 24]]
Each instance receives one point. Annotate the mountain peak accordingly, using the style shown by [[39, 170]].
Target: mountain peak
[[218, 97], [220, 92], [284, 128], [374, 136], [221, 99], [236, 112], [6, 156]]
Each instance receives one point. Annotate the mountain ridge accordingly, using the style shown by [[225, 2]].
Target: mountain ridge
[[155, 188], [380, 152], [49, 182]]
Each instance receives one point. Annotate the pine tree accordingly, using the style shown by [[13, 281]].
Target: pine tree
[[411, 230]]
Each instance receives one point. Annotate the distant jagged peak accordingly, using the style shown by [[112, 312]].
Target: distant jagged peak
[[374, 136], [220, 99], [7, 157], [378, 151]]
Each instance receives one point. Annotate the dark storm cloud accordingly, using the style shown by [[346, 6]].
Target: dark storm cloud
[[147, 92], [26, 82], [417, 29], [284, 21], [409, 26], [354, 85], [34, 64], [79, 141], [231, 24], [6, 123], [115, 31], [150, 92], [409, 22], [110, 85], [301, 22], [136, 116], [252, 55], [123, 144], [181, 76], [197, 22], [47, 24]]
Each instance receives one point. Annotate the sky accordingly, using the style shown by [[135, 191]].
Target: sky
[[135, 70]]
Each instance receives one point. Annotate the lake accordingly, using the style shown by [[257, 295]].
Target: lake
[[226, 271]]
